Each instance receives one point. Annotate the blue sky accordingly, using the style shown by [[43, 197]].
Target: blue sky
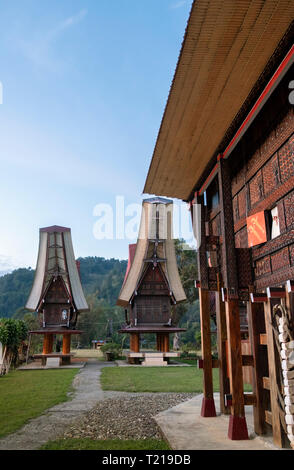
[[85, 83]]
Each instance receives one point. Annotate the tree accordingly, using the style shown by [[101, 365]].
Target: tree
[[12, 335], [186, 314]]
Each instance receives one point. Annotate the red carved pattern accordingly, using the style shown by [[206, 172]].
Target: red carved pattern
[[271, 174], [289, 209], [291, 252], [275, 279], [280, 259], [263, 267]]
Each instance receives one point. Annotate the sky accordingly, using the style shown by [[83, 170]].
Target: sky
[[84, 87]]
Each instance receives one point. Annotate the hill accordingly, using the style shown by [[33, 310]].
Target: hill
[[100, 277]]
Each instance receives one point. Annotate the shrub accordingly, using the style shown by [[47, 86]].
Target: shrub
[[113, 348], [12, 334]]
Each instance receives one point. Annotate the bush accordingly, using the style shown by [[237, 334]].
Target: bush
[[12, 335], [113, 348], [186, 348]]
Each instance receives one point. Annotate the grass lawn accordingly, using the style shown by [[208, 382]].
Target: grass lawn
[[26, 394], [155, 379], [115, 444]]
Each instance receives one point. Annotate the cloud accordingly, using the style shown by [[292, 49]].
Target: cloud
[[39, 50], [179, 4], [6, 264], [71, 21]]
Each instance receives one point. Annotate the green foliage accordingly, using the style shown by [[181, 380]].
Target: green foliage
[[113, 348], [100, 277], [187, 348], [14, 290], [102, 280], [12, 332]]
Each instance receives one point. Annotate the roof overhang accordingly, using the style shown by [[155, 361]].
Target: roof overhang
[[226, 48]]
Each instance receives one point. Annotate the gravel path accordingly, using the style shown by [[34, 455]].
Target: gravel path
[[127, 417], [94, 413]]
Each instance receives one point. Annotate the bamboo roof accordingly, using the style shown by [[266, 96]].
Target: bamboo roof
[[56, 258], [226, 48], [155, 234]]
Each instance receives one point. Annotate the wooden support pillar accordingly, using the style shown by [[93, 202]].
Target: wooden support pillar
[[224, 384], [208, 406], [135, 342], [237, 425], [66, 344], [48, 343], [158, 341], [166, 342], [273, 383], [255, 313]]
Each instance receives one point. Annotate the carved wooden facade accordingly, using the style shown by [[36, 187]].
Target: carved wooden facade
[[235, 142]]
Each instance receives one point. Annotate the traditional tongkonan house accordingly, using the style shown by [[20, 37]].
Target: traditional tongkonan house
[[57, 295], [152, 286], [225, 146]]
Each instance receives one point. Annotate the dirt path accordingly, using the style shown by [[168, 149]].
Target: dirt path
[[87, 392]]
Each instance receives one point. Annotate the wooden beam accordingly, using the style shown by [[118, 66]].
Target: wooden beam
[[237, 426], [276, 292], [229, 259], [249, 399], [268, 417], [272, 366], [266, 383], [224, 384], [208, 406], [258, 297], [263, 339], [255, 314], [247, 360]]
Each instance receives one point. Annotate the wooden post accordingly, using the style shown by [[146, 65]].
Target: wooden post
[[158, 341], [237, 425], [66, 344], [166, 342], [135, 342], [224, 384], [48, 343], [272, 366], [208, 406], [256, 327]]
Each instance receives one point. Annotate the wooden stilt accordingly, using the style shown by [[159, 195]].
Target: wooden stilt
[[237, 426], [208, 406], [224, 384], [272, 366], [66, 344], [256, 327], [135, 342], [48, 343], [166, 342]]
